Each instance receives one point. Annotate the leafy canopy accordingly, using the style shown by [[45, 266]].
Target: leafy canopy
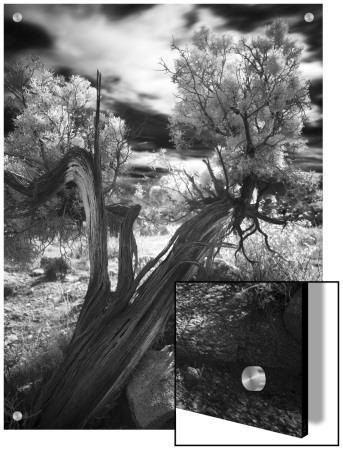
[[56, 115], [247, 102]]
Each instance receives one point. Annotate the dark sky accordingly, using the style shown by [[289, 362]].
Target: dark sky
[[125, 42]]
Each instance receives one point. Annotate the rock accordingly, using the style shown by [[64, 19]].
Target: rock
[[293, 316], [71, 278], [222, 270], [193, 372], [37, 272], [150, 392], [10, 339]]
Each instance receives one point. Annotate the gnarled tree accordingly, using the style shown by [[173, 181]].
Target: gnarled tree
[[114, 329]]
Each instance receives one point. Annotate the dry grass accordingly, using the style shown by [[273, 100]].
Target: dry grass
[[298, 258], [39, 321]]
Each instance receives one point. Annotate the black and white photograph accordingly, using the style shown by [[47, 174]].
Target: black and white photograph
[[144, 145], [241, 353]]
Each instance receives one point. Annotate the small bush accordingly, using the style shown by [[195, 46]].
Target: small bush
[[54, 267]]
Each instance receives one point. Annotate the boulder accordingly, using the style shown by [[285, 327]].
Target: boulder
[[38, 272], [150, 391], [223, 270], [71, 278], [293, 316]]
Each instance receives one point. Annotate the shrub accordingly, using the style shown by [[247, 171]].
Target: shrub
[[54, 267]]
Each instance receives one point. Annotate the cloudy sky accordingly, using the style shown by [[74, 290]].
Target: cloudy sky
[[126, 41]]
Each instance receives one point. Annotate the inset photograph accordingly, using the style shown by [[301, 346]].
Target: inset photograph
[[241, 353]]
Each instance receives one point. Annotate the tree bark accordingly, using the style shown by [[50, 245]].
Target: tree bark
[[101, 359], [114, 329]]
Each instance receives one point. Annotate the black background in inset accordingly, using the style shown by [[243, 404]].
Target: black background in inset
[[281, 406], [316, 380]]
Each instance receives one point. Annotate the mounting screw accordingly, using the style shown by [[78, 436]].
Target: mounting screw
[[253, 378]]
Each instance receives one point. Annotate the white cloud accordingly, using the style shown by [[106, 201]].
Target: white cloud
[[129, 48]]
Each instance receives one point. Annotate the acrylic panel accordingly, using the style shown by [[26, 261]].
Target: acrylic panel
[[241, 353], [147, 144]]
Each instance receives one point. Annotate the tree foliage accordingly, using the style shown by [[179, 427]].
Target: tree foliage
[[55, 115], [246, 101]]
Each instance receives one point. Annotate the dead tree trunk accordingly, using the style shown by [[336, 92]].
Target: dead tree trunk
[[106, 348]]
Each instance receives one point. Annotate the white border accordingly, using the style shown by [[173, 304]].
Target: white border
[[333, 126]]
